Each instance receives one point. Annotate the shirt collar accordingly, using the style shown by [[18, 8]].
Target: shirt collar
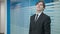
[[39, 13]]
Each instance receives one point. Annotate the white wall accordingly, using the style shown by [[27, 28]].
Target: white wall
[[0, 16], [3, 17]]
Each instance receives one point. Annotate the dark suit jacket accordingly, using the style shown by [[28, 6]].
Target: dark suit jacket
[[41, 26]]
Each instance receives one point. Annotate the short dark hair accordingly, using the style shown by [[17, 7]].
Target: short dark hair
[[42, 2]]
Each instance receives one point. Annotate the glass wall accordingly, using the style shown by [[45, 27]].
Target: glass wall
[[21, 10]]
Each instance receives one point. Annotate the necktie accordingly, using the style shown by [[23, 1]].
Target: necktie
[[36, 17]]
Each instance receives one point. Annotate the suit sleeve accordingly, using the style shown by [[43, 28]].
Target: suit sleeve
[[30, 26], [47, 29]]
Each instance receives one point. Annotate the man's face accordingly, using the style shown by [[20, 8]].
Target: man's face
[[39, 6]]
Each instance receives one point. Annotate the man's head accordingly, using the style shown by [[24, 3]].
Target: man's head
[[40, 6]]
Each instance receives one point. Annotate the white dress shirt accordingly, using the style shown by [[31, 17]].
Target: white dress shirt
[[38, 15]]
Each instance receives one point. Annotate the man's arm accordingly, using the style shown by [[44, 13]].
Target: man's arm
[[47, 29], [30, 26]]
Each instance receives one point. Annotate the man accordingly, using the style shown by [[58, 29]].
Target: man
[[39, 22]]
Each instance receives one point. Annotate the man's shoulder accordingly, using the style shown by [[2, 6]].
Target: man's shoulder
[[33, 15], [46, 16]]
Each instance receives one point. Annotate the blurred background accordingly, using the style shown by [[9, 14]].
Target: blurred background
[[21, 10]]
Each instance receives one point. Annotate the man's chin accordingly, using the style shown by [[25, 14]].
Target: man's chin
[[38, 10]]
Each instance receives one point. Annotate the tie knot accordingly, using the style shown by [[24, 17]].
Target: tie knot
[[37, 15]]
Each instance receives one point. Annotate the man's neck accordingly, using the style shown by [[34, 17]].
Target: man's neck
[[37, 12]]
